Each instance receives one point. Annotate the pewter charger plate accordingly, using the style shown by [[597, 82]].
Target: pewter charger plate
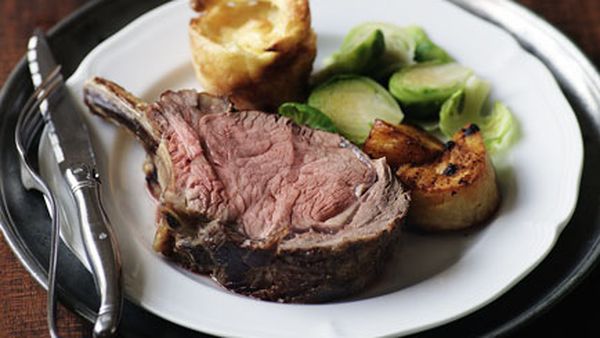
[[19, 232]]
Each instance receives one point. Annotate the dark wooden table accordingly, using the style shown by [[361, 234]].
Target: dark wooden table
[[23, 300]]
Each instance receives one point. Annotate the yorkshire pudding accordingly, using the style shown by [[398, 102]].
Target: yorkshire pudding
[[258, 52]]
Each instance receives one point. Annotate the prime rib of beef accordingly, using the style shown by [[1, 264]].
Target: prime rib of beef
[[268, 208]]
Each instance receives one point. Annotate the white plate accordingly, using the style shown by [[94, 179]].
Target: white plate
[[433, 279]]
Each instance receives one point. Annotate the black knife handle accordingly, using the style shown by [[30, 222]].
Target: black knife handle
[[100, 246]]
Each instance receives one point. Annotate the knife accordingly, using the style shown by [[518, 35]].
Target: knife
[[72, 148]]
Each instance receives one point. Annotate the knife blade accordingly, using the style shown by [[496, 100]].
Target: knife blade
[[72, 147]]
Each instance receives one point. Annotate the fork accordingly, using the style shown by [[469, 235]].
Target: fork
[[29, 124]]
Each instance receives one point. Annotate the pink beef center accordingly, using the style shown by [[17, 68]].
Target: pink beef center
[[266, 174]]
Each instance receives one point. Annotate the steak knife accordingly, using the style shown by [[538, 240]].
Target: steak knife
[[72, 148]]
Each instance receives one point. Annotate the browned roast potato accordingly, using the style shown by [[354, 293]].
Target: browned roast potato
[[401, 144], [456, 191], [259, 52]]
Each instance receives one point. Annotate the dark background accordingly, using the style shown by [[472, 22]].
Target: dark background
[[23, 301]]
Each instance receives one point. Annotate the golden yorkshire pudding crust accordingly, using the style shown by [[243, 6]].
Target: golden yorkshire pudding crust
[[259, 52]]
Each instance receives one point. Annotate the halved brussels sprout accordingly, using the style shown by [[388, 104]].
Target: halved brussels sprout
[[426, 50], [464, 106], [353, 103], [499, 128], [304, 114], [375, 49], [421, 89], [358, 53], [399, 48]]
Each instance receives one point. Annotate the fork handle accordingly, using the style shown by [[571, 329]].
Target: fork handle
[[100, 246]]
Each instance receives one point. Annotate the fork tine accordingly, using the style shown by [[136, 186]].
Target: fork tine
[[30, 119], [29, 125], [41, 90], [45, 90], [40, 94], [43, 87]]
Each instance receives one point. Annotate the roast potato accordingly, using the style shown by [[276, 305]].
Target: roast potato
[[456, 191], [401, 144], [258, 52]]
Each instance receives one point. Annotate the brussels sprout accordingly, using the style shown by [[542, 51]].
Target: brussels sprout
[[464, 106], [359, 51], [451, 114], [375, 49], [353, 103], [421, 89], [358, 54], [426, 50], [399, 49], [500, 129], [306, 115]]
